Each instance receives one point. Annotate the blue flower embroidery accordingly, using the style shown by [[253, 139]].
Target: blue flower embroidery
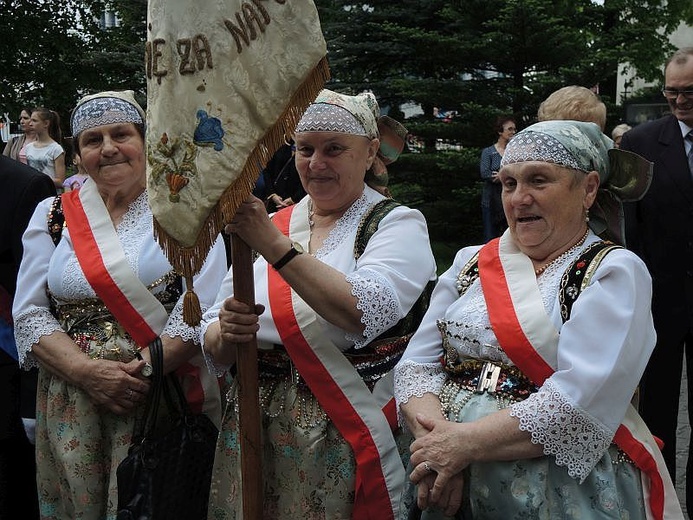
[[208, 131]]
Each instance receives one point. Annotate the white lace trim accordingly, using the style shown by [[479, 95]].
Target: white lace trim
[[214, 368], [414, 380], [29, 327], [467, 328], [565, 431], [377, 301], [176, 327], [132, 231], [345, 225]]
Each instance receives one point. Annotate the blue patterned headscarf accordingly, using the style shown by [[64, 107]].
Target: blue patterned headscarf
[[106, 108], [623, 175], [573, 144]]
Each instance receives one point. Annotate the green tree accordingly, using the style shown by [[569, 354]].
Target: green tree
[[482, 58], [54, 52]]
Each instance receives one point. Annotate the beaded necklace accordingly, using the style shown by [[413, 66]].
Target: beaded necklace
[[563, 255]]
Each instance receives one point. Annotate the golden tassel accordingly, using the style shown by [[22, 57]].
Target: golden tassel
[[192, 312]]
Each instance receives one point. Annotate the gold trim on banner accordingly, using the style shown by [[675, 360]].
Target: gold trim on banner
[[188, 261]]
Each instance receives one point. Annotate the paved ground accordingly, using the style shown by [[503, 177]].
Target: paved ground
[[682, 445]]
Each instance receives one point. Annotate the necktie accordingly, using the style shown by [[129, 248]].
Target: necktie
[[689, 137]]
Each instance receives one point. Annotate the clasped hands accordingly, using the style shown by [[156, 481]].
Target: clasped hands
[[438, 458], [117, 386]]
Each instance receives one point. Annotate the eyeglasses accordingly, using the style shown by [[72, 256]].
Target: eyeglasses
[[672, 93]]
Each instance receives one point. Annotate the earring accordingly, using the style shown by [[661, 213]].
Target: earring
[[587, 215]]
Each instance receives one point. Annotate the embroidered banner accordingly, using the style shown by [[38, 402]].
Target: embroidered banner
[[225, 80]]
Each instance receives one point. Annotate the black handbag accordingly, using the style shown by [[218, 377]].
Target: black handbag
[[168, 470]]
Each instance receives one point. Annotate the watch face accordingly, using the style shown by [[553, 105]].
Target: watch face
[[147, 370], [298, 247]]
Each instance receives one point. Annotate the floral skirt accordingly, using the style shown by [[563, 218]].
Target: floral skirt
[[78, 448], [80, 444], [538, 488], [307, 467]]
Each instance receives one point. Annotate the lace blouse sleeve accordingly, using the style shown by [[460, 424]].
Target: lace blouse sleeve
[[31, 307], [392, 272], [419, 371], [602, 352]]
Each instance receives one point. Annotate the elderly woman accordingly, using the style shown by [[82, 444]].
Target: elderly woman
[[517, 385], [91, 296], [330, 289]]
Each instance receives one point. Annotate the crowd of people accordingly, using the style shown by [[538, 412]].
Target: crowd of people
[[539, 379]]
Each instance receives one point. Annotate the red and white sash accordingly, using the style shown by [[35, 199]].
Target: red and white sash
[[364, 418], [530, 339], [103, 261]]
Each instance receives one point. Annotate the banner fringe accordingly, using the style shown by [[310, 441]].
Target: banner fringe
[[188, 261]]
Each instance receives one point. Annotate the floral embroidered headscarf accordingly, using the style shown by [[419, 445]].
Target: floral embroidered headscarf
[[335, 112]]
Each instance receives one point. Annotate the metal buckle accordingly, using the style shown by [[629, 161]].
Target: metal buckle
[[488, 378], [295, 376]]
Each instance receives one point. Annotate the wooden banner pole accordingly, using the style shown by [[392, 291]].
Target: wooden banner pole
[[249, 418]]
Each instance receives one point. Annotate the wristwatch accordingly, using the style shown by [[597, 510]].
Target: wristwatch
[[147, 369], [296, 249]]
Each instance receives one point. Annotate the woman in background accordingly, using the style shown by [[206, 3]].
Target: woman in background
[[16, 145], [46, 154], [491, 207], [617, 133]]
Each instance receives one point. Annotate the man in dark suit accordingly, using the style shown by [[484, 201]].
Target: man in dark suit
[[21, 189], [659, 228]]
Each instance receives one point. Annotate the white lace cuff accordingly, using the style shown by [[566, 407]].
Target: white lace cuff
[[414, 380], [28, 329], [176, 327], [377, 301], [214, 368], [576, 440]]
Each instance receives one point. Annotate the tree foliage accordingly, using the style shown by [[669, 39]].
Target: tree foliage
[[56, 51], [478, 58]]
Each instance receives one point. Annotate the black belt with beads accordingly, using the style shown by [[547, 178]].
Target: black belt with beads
[[371, 362], [495, 378]]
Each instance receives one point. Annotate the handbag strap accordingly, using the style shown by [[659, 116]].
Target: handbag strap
[[167, 386], [147, 426], [176, 402]]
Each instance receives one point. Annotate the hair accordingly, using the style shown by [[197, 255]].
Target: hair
[[680, 57], [573, 103], [619, 130], [53, 122], [500, 123]]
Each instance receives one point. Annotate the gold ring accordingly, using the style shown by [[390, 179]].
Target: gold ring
[[427, 467]]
